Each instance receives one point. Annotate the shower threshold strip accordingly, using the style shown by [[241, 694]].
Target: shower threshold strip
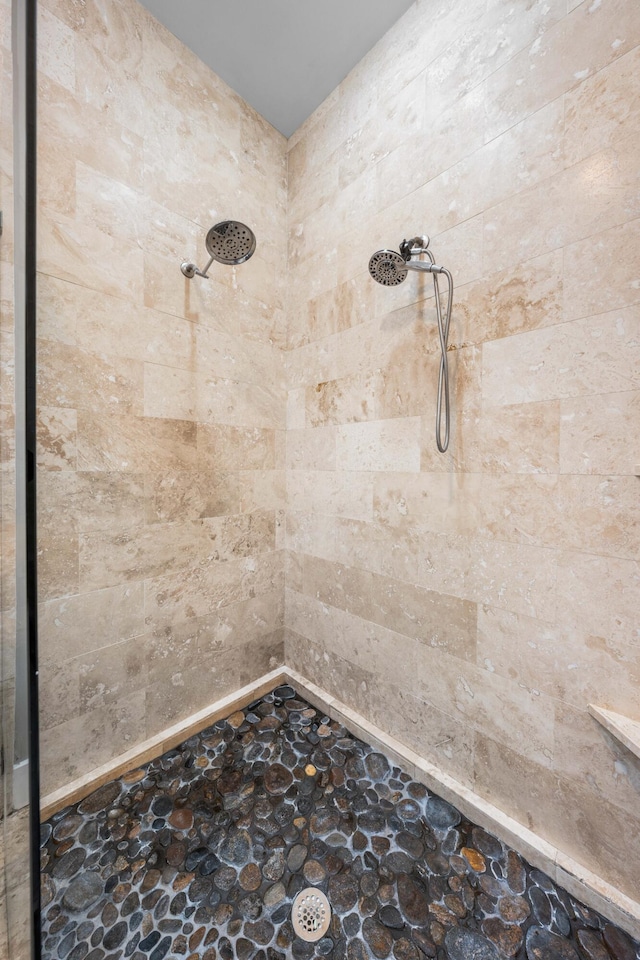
[[559, 869]]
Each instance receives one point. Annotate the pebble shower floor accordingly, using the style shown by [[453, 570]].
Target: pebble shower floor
[[199, 855]]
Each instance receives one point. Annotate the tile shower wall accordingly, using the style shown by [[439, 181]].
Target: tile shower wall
[[161, 400], [474, 604]]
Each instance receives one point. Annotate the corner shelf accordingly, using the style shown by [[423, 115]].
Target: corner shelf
[[624, 729]]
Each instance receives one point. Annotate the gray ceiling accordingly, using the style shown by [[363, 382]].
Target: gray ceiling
[[283, 56]]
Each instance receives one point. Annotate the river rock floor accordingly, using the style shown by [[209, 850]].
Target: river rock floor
[[199, 854]]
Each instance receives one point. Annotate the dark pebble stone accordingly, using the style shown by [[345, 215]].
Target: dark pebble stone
[[132, 945], [561, 923], [244, 949], [408, 810], [542, 880], [178, 904], [277, 779], [516, 873], [351, 925], [391, 917], [462, 944], [69, 864], [297, 856], [85, 930], [162, 907], [356, 950], [83, 891], [199, 889], [66, 945], [440, 815], [413, 900], [251, 906], [194, 858], [170, 926], [260, 932], [111, 884], [285, 693], [372, 821], [369, 883], [224, 878], [281, 914], [162, 949], [302, 950], [149, 942], [209, 865], [324, 947], [79, 952], [620, 945], [236, 848], [591, 945], [544, 945], [486, 843], [343, 892], [411, 844], [274, 867], [404, 949], [398, 862], [114, 937], [377, 766], [378, 937], [89, 832], [96, 954], [96, 936], [541, 905], [101, 799]]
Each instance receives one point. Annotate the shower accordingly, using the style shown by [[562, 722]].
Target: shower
[[390, 268], [229, 242]]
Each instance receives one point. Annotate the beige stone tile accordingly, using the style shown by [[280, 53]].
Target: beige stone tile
[[440, 738], [600, 435], [581, 357], [111, 673], [108, 558], [601, 273], [115, 266], [135, 444], [71, 129], [71, 626], [442, 502], [262, 490], [520, 438], [200, 590], [56, 49], [349, 304], [599, 597], [294, 570], [104, 733], [512, 301], [591, 196], [603, 108], [582, 744], [418, 157], [241, 535], [520, 719], [176, 394], [342, 401], [339, 493], [85, 502], [58, 564], [559, 661], [312, 448], [336, 585], [555, 62], [440, 621], [310, 533], [58, 693], [380, 445], [238, 448], [190, 495], [56, 431], [295, 408], [71, 377], [239, 623]]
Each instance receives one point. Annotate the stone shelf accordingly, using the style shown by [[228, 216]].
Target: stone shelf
[[626, 730]]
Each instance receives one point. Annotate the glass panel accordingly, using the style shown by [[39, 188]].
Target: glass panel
[[15, 892]]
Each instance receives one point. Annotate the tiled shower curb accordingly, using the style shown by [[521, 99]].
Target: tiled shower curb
[[566, 872]]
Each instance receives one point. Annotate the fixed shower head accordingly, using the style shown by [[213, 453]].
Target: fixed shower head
[[388, 268], [229, 242]]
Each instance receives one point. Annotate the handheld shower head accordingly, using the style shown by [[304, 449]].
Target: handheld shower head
[[388, 268], [229, 242]]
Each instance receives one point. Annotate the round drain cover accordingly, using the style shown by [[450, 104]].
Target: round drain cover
[[311, 914]]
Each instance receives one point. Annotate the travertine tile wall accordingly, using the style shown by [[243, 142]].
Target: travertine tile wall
[[473, 604], [161, 400]]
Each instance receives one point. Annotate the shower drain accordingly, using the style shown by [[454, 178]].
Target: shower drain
[[311, 914]]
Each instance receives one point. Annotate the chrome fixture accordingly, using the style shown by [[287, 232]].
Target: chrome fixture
[[391, 268], [228, 242]]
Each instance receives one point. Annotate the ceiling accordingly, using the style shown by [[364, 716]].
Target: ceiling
[[283, 56]]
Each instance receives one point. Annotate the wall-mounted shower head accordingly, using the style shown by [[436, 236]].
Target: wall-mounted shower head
[[388, 268], [229, 242]]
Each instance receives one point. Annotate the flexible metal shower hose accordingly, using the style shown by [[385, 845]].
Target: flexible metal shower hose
[[443, 376]]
